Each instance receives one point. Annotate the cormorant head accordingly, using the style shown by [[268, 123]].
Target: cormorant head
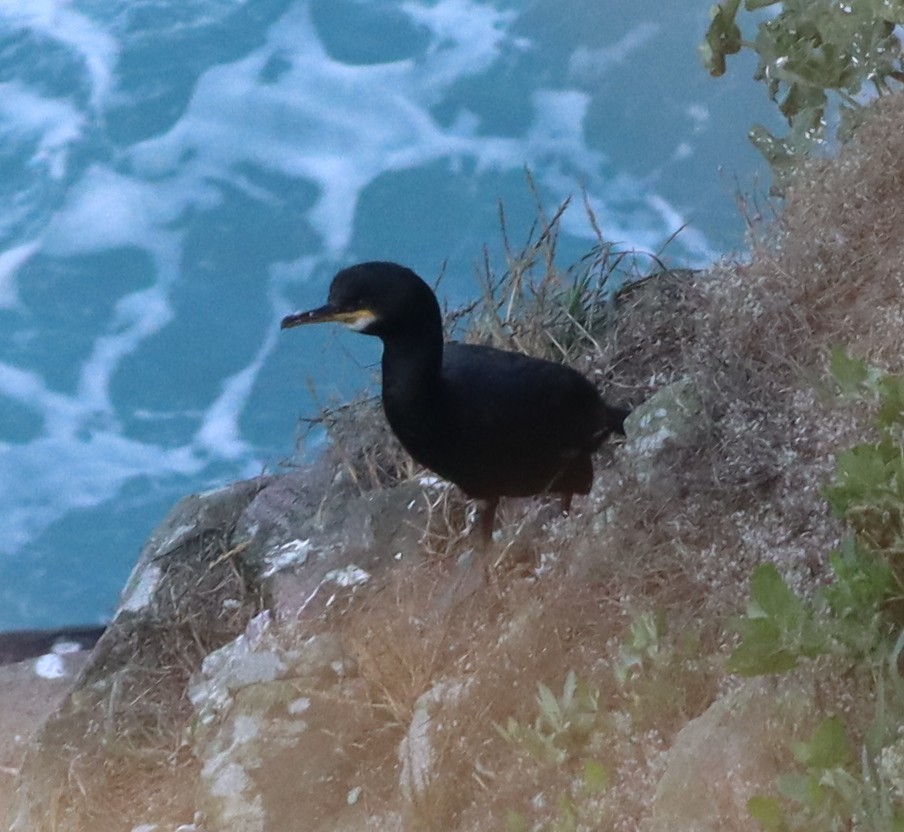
[[376, 298]]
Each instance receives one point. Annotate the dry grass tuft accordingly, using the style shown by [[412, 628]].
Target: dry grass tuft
[[364, 448], [477, 658], [841, 242], [741, 484], [486, 648]]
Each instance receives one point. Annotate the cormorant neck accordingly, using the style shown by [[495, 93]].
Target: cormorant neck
[[412, 362]]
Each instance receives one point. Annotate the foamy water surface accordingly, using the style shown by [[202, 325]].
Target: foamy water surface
[[178, 174]]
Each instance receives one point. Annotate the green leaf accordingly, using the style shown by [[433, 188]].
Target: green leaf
[[863, 466], [722, 38], [567, 821], [515, 822], [596, 777], [772, 595], [827, 749], [778, 629], [815, 58], [568, 690], [549, 706], [761, 651], [801, 788], [891, 397], [850, 120], [768, 811], [781, 156], [863, 475], [850, 373], [863, 582]]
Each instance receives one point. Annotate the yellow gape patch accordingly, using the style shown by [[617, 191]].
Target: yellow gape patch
[[357, 320]]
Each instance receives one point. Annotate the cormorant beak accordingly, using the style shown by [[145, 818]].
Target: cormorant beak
[[356, 319]]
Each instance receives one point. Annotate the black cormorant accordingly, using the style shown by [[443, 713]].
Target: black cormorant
[[496, 423]]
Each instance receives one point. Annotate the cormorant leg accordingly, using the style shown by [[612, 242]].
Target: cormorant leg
[[485, 520], [566, 503]]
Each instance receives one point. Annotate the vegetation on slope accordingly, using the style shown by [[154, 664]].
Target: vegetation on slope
[[821, 61]]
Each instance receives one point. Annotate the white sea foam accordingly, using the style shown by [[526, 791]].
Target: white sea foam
[[378, 119], [10, 262], [63, 648], [699, 114], [59, 21], [468, 37], [53, 123], [373, 123], [28, 388], [107, 209], [219, 432], [67, 472], [591, 65], [675, 222]]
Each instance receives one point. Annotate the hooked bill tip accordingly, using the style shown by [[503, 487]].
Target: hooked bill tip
[[292, 320], [313, 316]]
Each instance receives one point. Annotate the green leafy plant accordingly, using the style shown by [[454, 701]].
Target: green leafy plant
[[868, 492], [823, 795], [814, 55], [567, 732], [778, 629], [857, 612], [856, 618], [657, 680], [643, 647], [830, 791], [661, 676], [565, 725], [571, 805]]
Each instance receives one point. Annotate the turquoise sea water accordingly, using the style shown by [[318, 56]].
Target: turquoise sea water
[[178, 174]]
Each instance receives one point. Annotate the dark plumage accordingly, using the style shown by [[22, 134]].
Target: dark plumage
[[496, 423]]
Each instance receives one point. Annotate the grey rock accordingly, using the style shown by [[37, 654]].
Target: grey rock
[[360, 534], [272, 742], [730, 753], [276, 711], [416, 751], [666, 416]]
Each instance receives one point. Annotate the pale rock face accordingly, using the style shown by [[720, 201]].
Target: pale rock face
[[730, 753]]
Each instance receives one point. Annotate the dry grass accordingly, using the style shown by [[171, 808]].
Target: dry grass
[[364, 448], [742, 484], [478, 656], [415, 634]]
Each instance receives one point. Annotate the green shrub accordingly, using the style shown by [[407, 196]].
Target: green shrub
[[814, 55], [856, 620]]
